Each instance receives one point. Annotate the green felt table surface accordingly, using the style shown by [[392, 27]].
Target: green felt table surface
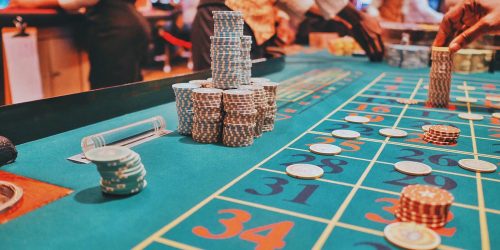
[[346, 206]]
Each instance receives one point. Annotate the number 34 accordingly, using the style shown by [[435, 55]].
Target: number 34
[[234, 226]]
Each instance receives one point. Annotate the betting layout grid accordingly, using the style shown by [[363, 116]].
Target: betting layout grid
[[359, 192]]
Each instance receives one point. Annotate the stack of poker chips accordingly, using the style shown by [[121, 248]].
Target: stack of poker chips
[[442, 135], [271, 108], [424, 204], [240, 118], [121, 169], [260, 102], [407, 56], [207, 118], [184, 106], [246, 60], [440, 77], [226, 49]]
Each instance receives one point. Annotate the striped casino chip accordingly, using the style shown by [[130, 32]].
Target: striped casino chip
[[444, 130], [427, 195]]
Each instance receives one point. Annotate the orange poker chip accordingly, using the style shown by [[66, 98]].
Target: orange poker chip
[[427, 195], [444, 130]]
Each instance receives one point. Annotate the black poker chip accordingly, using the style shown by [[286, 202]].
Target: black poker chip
[[8, 152]]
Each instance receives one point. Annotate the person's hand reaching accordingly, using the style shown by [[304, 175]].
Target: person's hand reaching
[[366, 30], [466, 21]]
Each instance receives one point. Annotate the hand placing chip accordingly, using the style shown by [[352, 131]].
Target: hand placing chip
[[466, 22]]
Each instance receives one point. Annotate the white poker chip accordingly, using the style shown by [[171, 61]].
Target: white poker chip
[[426, 128], [346, 134], [462, 87], [493, 98], [357, 119], [392, 132], [412, 168], [304, 171], [410, 235], [466, 99], [477, 165], [470, 116], [496, 115], [325, 149]]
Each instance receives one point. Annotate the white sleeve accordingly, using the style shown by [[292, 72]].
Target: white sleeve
[[296, 9], [76, 4], [331, 8], [372, 9], [419, 11]]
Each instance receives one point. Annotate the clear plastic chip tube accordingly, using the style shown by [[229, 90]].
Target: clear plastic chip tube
[[129, 135]]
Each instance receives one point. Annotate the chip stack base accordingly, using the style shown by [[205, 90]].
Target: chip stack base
[[184, 106], [239, 121], [260, 102], [207, 119], [121, 170], [440, 77], [271, 89], [423, 204], [442, 135]]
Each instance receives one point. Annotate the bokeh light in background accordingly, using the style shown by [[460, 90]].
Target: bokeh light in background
[[4, 4]]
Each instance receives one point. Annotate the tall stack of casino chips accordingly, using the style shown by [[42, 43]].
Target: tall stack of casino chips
[[246, 60], [121, 169], [207, 118], [240, 117], [226, 49], [442, 135], [440, 77], [184, 106], [407, 56], [260, 102], [271, 109], [424, 204]]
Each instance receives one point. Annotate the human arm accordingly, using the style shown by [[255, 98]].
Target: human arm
[[466, 21]]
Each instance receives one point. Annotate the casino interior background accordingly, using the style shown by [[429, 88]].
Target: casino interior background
[[303, 140]]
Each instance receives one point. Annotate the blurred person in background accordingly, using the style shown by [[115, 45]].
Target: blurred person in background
[[117, 37], [261, 23], [404, 11]]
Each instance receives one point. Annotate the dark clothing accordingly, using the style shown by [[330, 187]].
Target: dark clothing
[[203, 28], [316, 23], [118, 37]]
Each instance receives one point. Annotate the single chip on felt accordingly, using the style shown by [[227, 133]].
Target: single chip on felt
[[412, 168], [392, 132], [493, 98], [470, 116], [346, 134], [406, 101], [325, 149], [8, 152], [496, 115], [304, 171], [462, 87], [477, 165], [357, 119], [466, 99], [410, 235]]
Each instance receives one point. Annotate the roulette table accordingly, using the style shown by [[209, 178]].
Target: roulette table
[[208, 196]]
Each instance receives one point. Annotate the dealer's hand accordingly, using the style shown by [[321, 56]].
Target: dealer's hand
[[366, 30], [466, 21]]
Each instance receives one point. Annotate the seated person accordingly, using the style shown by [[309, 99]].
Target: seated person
[[407, 11]]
